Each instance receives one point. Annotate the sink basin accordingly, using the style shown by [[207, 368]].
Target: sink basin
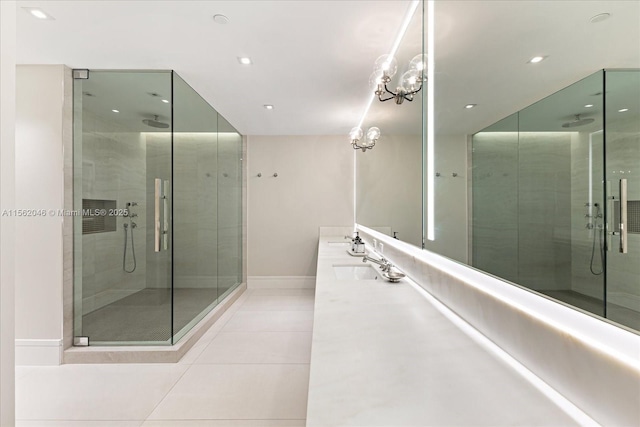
[[355, 272]]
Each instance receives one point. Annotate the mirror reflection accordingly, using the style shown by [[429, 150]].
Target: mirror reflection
[[389, 175], [534, 181]]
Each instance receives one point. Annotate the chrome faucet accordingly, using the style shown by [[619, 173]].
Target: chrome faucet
[[389, 272], [383, 263]]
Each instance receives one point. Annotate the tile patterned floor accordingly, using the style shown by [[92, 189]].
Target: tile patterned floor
[[251, 369]]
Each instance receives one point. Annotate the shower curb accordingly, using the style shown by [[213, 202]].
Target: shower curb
[[152, 354]]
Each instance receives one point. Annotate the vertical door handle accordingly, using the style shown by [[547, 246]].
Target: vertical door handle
[[165, 215], [623, 216], [156, 217]]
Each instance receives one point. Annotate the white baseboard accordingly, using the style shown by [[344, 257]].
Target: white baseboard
[[281, 282], [38, 352]]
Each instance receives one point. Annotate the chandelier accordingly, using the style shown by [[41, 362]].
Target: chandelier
[[372, 136], [411, 81]]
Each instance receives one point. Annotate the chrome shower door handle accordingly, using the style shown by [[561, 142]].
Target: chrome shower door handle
[[165, 215], [623, 216], [156, 217]]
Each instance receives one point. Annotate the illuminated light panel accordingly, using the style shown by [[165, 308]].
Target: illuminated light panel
[[431, 66]]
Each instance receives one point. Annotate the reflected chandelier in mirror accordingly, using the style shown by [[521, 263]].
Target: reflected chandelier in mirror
[[411, 81], [355, 135]]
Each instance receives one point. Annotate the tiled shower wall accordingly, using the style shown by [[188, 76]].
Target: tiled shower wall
[[229, 211], [582, 237], [207, 215], [158, 165], [521, 206], [113, 168]]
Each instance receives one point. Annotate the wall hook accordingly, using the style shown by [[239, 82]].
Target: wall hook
[[275, 175], [259, 174], [454, 174], [437, 173]]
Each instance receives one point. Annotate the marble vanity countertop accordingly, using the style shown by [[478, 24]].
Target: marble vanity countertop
[[384, 355]]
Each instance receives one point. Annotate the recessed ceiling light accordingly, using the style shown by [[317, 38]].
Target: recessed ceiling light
[[38, 13], [599, 17], [623, 110], [588, 106], [220, 19], [470, 106], [166, 101], [244, 60], [536, 59], [268, 106], [116, 111]]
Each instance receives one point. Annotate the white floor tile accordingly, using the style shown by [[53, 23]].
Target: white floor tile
[[194, 352], [238, 392], [23, 371], [271, 321], [94, 392], [225, 423], [273, 291], [258, 347], [278, 303]]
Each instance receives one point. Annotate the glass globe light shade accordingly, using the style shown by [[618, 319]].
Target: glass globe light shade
[[419, 63], [355, 134], [373, 134], [386, 64], [411, 80], [375, 79]]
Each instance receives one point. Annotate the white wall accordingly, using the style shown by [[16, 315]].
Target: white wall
[[7, 194], [39, 185], [314, 188]]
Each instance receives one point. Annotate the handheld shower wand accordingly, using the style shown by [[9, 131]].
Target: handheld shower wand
[[129, 232]]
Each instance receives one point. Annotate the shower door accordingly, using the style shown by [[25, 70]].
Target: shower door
[[122, 197], [622, 184]]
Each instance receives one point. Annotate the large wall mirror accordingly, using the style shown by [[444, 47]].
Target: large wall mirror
[[389, 176], [529, 157]]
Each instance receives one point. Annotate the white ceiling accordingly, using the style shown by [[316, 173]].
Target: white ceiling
[[312, 59]]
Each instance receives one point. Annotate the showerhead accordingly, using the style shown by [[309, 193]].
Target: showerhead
[[154, 123], [577, 122]]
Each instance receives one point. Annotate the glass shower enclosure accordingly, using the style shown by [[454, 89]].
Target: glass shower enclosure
[[556, 196], [158, 203]]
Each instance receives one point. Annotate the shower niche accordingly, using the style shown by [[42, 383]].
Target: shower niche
[[150, 261], [555, 196], [98, 216]]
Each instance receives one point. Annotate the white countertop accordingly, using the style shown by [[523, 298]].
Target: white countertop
[[383, 355]]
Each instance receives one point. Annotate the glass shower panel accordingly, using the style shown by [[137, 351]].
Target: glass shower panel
[[495, 199], [229, 207], [538, 214], [622, 140], [122, 147], [559, 195], [195, 210]]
